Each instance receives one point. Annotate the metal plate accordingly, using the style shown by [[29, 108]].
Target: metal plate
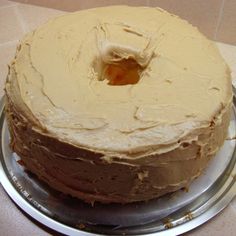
[[172, 214]]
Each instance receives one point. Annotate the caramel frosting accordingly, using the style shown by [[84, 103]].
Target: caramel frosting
[[183, 84], [184, 90]]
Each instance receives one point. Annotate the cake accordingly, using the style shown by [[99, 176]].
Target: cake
[[117, 104]]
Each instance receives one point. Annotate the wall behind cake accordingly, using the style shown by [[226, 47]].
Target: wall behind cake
[[214, 18]]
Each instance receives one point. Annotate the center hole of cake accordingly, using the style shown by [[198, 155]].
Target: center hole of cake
[[126, 71]]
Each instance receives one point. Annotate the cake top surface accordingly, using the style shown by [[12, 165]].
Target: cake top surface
[[62, 69]]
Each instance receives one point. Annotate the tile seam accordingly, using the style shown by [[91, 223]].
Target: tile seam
[[20, 19], [219, 19]]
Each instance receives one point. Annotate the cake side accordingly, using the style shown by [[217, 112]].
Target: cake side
[[92, 177], [85, 174]]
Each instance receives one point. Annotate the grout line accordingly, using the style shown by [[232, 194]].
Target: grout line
[[20, 19], [223, 43], [219, 19], [13, 42], [8, 6]]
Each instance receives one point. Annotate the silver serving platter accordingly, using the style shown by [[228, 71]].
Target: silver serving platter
[[172, 214]]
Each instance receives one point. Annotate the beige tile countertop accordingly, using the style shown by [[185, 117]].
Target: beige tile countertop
[[16, 19]]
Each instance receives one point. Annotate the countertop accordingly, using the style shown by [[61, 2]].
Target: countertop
[[17, 19]]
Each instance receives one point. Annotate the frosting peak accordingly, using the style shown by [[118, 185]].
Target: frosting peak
[[119, 41]]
